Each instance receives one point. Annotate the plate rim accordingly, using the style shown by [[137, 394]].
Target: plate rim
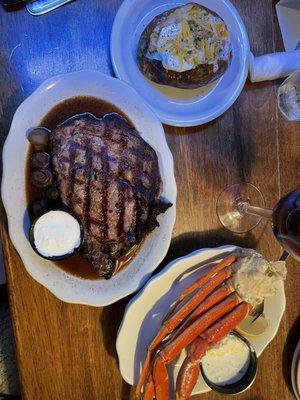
[[125, 6], [57, 291], [294, 369], [165, 270]]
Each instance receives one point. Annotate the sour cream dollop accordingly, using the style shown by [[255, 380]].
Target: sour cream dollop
[[56, 233], [166, 43]]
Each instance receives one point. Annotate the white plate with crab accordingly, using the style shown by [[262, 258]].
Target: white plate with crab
[[145, 312]]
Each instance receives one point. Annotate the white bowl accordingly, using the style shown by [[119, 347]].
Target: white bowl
[[144, 313], [295, 371], [65, 286], [179, 107]]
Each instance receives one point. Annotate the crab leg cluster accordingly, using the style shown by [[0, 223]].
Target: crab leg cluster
[[189, 371], [205, 312]]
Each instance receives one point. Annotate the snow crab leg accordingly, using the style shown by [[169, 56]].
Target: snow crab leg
[[205, 313], [189, 371], [174, 348], [198, 283], [149, 389], [214, 298], [210, 282]]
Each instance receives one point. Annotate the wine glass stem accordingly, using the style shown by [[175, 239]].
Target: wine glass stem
[[284, 256], [246, 208]]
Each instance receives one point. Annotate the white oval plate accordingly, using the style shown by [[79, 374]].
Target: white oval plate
[[178, 107], [69, 287], [144, 313], [295, 371]]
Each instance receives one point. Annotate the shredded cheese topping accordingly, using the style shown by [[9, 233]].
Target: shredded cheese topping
[[189, 36]]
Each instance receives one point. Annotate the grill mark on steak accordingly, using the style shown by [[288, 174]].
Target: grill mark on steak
[[121, 210], [72, 172], [136, 197], [87, 172], [110, 177], [121, 196], [105, 172]]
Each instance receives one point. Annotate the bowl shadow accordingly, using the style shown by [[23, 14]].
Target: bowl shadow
[[191, 241], [110, 320]]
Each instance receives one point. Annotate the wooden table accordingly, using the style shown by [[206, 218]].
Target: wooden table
[[68, 351]]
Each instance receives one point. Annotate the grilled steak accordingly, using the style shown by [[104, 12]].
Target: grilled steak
[[109, 176]]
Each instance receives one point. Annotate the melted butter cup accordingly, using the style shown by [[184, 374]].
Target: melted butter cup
[[242, 383]]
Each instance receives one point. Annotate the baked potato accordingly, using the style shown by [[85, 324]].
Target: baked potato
[[186, 47]]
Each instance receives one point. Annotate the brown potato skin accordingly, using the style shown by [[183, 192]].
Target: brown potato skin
[[155, 71]]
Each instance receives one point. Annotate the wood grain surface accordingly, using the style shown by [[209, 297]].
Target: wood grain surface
[[68, 351]]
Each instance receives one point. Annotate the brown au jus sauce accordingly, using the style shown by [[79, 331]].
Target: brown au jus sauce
[[78, 105], [68, 108]]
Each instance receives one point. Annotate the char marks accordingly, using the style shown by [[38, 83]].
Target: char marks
[[104, 182], [88, 167], [110, 178], [71, 174]]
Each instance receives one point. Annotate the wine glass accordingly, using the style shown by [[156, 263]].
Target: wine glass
[[240, 208], [289, 97]]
